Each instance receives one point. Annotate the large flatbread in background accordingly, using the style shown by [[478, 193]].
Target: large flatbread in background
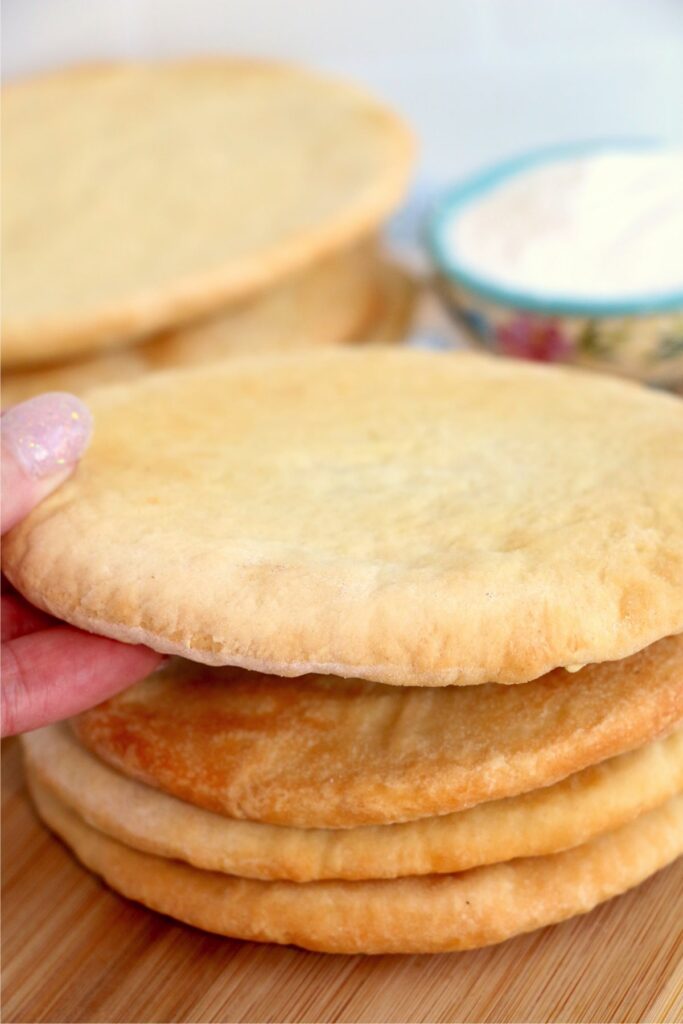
[[595, 800], [427, 914], [349, 297], [326, 752], [137, 196], [408, 517]]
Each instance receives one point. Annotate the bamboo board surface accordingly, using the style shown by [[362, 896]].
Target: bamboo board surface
[[74, 951]]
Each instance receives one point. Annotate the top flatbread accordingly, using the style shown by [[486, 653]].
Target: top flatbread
[[403, 516], [136, 196]]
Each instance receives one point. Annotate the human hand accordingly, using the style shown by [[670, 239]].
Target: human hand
[[51, 670]]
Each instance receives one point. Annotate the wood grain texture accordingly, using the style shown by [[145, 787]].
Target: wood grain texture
[[73, 951]]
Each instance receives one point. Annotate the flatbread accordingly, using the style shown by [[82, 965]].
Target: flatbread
[[406, 915], [321, 752], [137, 196], [404, 516], [399, 295], [596, 800], [354, 296]]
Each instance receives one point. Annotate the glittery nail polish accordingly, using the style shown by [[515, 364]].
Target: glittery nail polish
[[48, 433]]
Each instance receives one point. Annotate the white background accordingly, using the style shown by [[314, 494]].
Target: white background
[[479, 79]]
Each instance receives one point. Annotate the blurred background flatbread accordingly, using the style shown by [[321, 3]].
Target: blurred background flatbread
[[354, 296], [137, 196]]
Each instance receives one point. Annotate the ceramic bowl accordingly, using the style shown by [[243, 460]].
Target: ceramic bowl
[[639, 336]]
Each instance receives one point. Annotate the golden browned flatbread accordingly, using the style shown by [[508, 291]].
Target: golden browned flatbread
[[326, 753], [137, 196], [404, 516], [406, 915], [596, 800], [355, 296]]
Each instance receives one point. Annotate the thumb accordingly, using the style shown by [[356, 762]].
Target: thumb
[[42, 440]]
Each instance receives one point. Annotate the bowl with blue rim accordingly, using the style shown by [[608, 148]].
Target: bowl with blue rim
[[570, 305]]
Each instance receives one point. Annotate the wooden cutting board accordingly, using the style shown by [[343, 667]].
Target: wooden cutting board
[[74, 951]]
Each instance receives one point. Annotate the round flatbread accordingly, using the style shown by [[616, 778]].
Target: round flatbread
[[137, 196], [404, 516], [406, 915], [321, 752], [355, 296], [598, 799]]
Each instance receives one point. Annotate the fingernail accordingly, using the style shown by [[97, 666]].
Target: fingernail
[[47, 433]]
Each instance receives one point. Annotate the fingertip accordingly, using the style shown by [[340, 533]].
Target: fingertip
[[47, 434], [42, 439]]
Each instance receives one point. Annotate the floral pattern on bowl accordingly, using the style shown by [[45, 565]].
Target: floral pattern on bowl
[[647, 347]]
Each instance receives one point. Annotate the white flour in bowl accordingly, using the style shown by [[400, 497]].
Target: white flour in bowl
[[608, 225]]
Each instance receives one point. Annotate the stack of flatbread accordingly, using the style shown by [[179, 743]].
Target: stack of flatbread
[[168, 214], [425, 614]]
